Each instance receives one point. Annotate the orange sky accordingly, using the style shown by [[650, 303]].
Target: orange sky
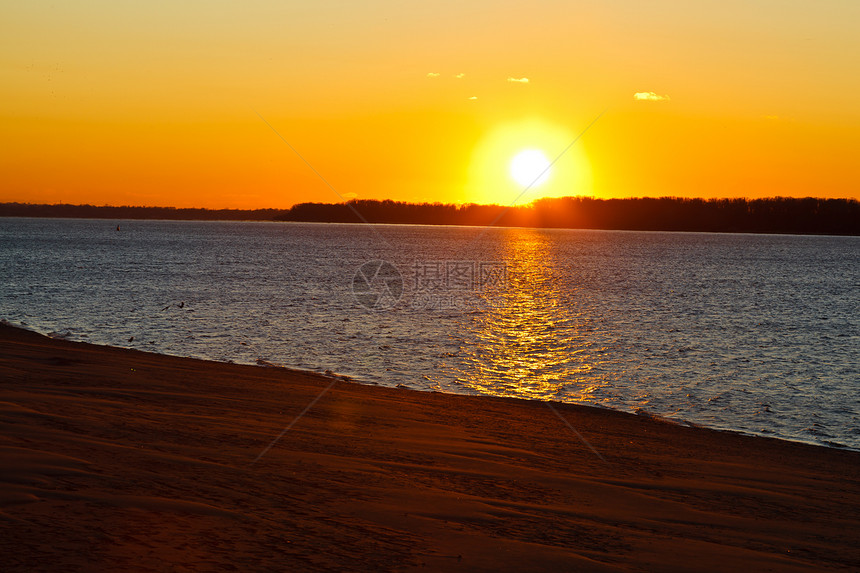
[[154, 104]]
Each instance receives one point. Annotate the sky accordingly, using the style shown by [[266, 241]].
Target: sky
[[270, 103]]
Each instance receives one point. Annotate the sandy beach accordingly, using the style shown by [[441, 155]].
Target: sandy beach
[[116, 459]]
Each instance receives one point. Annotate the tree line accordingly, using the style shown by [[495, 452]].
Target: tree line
[[129, 212], [771, 215]]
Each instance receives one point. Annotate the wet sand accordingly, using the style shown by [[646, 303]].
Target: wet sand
[[116, 459]]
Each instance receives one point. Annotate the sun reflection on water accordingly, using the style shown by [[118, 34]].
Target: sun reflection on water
[[533, 341]]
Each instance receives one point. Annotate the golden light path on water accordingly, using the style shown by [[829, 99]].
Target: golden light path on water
[[532, 342]]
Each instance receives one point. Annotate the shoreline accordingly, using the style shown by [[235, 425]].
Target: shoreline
[[260, 363], [782, 215], [122, 459]]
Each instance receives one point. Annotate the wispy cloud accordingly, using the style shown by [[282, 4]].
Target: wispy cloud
[[460, 76], [433, 74], [518, 80], [649, 96]]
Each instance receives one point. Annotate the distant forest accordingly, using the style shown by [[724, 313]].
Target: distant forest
[[772, 215], [120, 213]]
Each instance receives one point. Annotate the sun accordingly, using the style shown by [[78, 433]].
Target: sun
[[510, 164], [530, 168]]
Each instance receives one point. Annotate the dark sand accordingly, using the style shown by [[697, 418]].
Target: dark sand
[[121, 460]]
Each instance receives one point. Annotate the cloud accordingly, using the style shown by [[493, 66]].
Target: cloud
[[518, 80], [433, 74], [649, 96], [473, 98], [460, 76]]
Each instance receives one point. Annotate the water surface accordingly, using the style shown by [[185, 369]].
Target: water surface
[[753, 333]]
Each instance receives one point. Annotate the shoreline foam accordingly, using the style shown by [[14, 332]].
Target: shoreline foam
[[66, 334]]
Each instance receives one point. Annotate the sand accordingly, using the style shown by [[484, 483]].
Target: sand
[[116, 459]]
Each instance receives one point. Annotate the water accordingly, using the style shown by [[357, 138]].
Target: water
[[744, 332]]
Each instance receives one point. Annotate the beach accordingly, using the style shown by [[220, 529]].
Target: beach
[[116, 459]]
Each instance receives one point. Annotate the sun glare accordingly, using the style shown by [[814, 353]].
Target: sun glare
[[530, 168], [511, 165]]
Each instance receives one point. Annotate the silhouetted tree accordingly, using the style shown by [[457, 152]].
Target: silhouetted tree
[[772, 215]]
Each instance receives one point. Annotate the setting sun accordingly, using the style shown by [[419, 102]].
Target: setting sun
[[511, 164], [169, 105], [530, 168]]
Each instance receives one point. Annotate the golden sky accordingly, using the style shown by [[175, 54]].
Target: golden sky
[[197, 103]]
